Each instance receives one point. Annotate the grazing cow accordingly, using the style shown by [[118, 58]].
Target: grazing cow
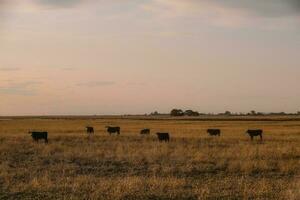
[[36, 136], [89, 130], [111, 129], [214, 132], [163, 137], [145, 131], [253, 133]]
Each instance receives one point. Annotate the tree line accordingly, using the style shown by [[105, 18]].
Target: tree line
[[176, 112]]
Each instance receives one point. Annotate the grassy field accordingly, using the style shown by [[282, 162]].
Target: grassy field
[[130, 166]]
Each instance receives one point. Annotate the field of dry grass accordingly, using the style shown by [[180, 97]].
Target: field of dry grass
[[130, 166]]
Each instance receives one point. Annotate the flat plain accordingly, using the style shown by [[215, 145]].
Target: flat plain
[[192, 165]]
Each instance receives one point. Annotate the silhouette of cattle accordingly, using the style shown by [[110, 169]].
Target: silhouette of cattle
[[89, 130], [163, 137], [112, 130], [145, 131], [253, 133], [214, 132], [36, 136]]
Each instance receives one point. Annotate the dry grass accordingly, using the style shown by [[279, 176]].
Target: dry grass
[[192, 166]]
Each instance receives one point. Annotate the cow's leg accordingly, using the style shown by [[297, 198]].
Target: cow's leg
[[251, 137], [261, 137], [46, 140]]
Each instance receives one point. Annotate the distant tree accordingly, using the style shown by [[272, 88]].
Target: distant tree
[[227, 112], [298, 113], [196, 113], [191, 113], [278, 113], [154, 113], [176, 112], [253, 112]]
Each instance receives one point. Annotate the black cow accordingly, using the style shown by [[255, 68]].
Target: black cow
[[89, 130], [163, 137], [253, 133], [111, 129], [214, 132], [145, 131], [36, 136]]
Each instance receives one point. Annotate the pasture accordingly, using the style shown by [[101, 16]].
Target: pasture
[[193, 165]]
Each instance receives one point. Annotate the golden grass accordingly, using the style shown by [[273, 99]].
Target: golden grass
[[192, 166]]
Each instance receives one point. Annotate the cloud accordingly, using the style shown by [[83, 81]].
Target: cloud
[[96, 83], [3, 7], [27, 88], [268, 14], [139, 84], [69, 69], [3, 3], [265, 8], [59, 3], [9, 69]]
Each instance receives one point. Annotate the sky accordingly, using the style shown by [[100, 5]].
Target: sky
[[82, 57]]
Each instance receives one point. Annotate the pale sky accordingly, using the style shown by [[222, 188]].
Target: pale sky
[[138, 56]]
